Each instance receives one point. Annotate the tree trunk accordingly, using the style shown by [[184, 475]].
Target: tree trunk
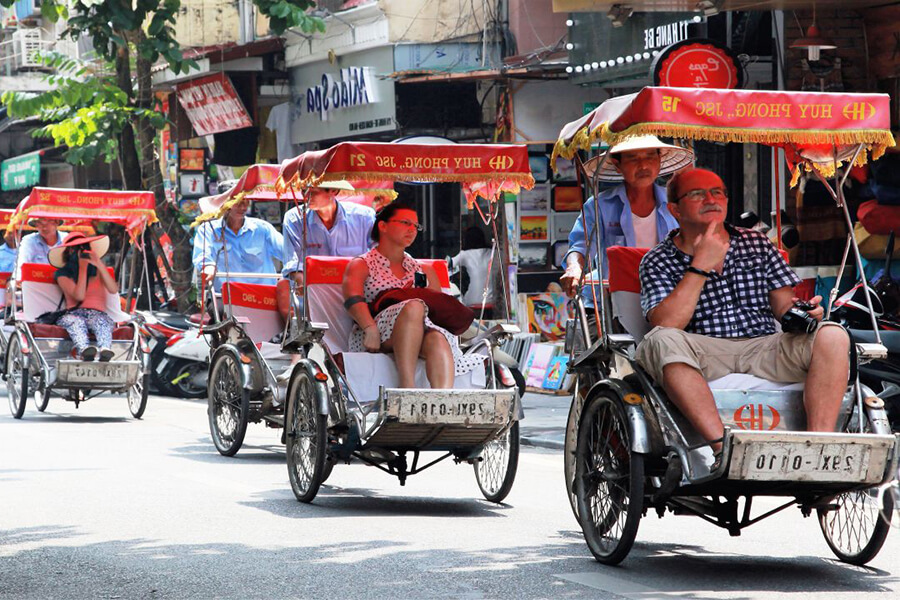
[[128, 156], [180, 275]]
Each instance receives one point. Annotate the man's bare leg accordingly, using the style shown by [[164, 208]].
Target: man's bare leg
[[688, 390], [283, 299], [826, 380]]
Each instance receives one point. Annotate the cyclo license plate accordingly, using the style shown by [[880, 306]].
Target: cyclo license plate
[[799, 461], [105, 373], [447, 410]]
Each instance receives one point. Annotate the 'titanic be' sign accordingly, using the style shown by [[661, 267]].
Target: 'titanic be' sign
[[354, 88]]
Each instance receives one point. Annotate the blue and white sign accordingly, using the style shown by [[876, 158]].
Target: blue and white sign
[[354, 88], [350, 99]]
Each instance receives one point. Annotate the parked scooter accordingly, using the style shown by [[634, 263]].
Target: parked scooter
[[852, 311], [185, 363]]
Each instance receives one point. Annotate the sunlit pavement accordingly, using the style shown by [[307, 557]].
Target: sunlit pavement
[[98, 505]]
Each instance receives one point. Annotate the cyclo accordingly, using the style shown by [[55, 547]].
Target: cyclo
[[629, 450], [38, 355], [341, 405]]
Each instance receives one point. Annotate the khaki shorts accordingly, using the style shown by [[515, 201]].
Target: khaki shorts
[[781, 357]]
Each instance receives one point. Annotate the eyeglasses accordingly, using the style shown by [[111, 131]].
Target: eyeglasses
[[405, 223], [697, 195]]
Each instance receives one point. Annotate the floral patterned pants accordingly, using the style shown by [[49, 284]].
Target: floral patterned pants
[[78, 322]]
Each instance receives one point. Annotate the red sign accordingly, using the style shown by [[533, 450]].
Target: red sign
[[697, 64], [757, 417], [212, 105]]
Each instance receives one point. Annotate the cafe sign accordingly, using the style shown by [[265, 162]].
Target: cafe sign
[[20, 172]]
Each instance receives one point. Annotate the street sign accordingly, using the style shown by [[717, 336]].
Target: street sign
[[20, 172]]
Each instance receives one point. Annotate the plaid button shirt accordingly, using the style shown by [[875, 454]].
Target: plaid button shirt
[[734, 304]]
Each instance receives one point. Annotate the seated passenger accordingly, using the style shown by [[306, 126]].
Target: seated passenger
[[85, 282], [8, 253], [403, 329], [713, 293]]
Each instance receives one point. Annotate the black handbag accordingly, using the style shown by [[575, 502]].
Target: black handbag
[[51, 317]]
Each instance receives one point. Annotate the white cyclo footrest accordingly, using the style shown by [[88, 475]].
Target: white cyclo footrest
[[809, 456]]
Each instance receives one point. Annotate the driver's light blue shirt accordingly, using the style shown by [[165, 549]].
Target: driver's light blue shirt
[[253, 249], [33, 249], [350, 235], [616, 227], [7, 259]]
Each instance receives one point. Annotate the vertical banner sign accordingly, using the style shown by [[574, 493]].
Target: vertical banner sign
[[212, 105], [20, 172]]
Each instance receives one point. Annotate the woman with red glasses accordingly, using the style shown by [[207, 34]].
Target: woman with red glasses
[[402, 329]]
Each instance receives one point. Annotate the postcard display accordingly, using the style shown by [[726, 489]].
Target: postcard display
[[538, 224]]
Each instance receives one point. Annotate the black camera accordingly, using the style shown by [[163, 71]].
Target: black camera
[[798, 320], [420, 280]]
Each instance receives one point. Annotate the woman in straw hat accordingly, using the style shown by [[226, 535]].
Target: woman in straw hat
[[85, 283]]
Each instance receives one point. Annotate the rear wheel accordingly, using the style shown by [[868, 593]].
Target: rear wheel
[[137, 396], [17, 377], [305, 440], [495, 472], [229, 405], [856, 529], [609, 480]]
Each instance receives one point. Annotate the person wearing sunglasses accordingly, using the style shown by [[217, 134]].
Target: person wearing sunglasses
[[402, 329], [713, 293]]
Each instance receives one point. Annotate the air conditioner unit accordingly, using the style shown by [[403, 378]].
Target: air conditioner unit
[[27, 44]]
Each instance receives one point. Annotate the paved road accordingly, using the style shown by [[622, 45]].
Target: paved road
[[98, 505]]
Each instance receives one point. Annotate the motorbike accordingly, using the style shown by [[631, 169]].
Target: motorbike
[[176, 370]]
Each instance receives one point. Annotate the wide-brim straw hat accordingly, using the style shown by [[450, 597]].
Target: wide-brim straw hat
[[99, 246], [343, 186], [33, 221], [671, 158]]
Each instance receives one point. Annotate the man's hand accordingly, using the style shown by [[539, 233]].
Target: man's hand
[[372, 339], [709, 249], [570, 279], [207, 274], [818, 313], [297, 276]]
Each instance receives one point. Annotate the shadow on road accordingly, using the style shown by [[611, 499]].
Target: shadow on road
[[204, 451], [341, 502]]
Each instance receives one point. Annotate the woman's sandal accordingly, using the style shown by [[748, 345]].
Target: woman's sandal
[[106, 355], [89, 353]]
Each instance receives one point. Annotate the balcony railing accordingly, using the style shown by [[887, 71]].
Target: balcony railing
[[20, 56]]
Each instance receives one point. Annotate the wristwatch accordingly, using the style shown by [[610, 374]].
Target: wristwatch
[[693, 269]]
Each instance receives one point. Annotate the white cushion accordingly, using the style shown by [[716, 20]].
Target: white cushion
[[742, 381]]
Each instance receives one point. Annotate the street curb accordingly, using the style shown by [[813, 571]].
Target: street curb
[[541, 442]]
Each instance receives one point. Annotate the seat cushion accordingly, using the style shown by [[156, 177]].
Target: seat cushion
[[42, 330]]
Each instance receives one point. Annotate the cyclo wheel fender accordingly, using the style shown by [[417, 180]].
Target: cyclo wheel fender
[[320, 386], [639, 426], [244, 369]]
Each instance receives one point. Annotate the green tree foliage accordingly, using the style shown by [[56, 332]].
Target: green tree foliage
[[108, 112]]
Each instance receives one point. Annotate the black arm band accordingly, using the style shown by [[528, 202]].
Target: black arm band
[[693, 269], [353, 300]]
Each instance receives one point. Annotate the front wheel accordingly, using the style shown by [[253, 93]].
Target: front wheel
[[17, 377], [495, 472], [609, 480], [855, 529], [229, 405], [305, 439], [571, 441], [41, 400], [137, 396]]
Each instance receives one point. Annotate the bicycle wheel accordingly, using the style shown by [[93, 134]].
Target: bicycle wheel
[[305, 440], [137, 397], [17, 377], [496, 471], [571, 441], [609, 480], [229, 405]]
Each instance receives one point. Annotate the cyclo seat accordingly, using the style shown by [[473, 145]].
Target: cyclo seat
[[365, 371], [744, 401]]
